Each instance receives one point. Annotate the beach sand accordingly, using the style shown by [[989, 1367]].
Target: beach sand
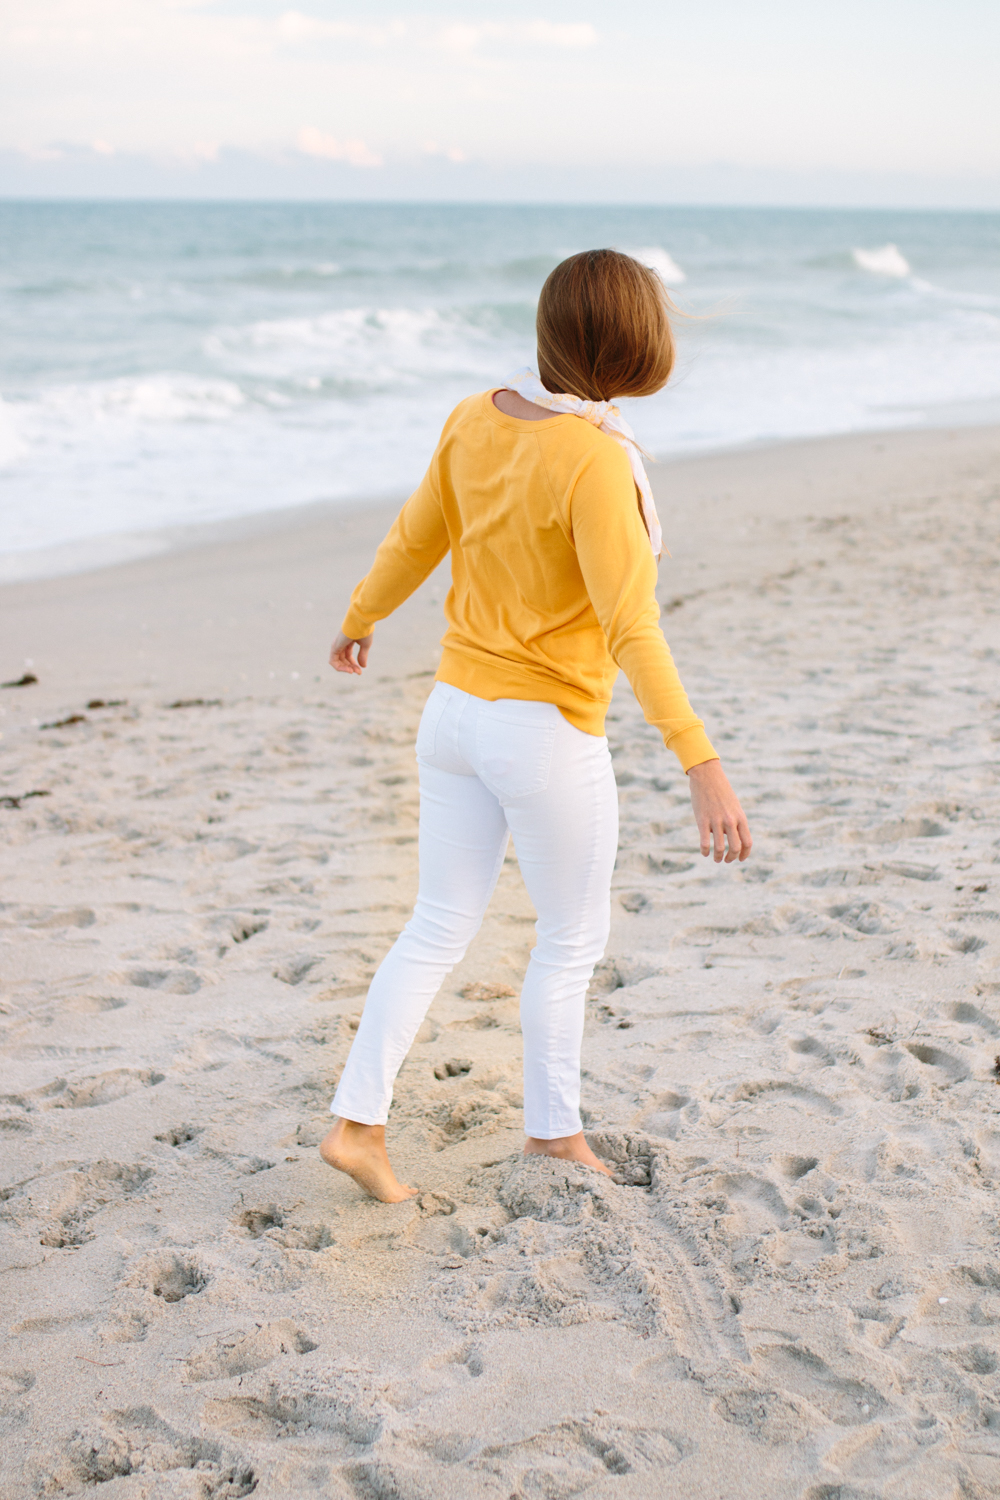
[[791, 1290]]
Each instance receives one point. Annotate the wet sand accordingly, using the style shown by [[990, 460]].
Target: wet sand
[[792, 1288]]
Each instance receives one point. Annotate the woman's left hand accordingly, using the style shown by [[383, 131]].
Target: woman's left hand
[[718, 813], [342, 654]]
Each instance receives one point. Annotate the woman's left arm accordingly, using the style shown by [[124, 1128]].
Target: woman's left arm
[[717, 812], [620, 575]]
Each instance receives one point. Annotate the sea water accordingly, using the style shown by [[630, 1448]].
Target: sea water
[[168, 364]]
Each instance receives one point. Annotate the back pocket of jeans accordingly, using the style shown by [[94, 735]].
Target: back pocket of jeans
[[515, 755], [429, 721]]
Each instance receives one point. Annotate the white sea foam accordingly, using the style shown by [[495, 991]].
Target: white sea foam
[[12, 445], [662, 261], [360, 345], [158, 398], [886, 260]]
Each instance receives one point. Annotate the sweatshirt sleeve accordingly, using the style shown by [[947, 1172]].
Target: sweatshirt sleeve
[[619, 572], [417, 541]]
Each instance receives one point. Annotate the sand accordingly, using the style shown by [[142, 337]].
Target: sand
[[791, 1290]]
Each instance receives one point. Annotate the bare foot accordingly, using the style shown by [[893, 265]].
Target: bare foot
[[359, 1150], [566, 1148]]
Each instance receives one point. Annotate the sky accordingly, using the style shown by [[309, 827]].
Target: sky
[[875, 102]]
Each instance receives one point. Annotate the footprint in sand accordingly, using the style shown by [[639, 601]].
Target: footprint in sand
[[241, 929], [455, 1067], [478, 1114], [293, 970], [946, 1068], [92, 1005], [662, 1116], [79, 1196], [866, 917], [808, 1049], [976, 1359], [794, 1167], [66, 1202], [169, 1275], [88, 1093], [257, 1221], [754, 1204], [327, 1404], [964, 942], [764, 1415], [841, 1399], [970, 1015], [139, 1441], [240, 1353], [170, 981], [74, 916], [769, 1091], [570, 1456], [180, 1135]]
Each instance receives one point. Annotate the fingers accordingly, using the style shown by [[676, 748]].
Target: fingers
[[342, 654], [731, 830], [343, 660], [730, 836], [722, 825]]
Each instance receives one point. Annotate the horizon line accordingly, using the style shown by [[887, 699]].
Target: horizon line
[[233, 200]]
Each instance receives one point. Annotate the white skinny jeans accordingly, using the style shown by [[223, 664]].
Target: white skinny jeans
[[488, 770]]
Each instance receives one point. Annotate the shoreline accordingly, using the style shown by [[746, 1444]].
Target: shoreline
[[99, 553], [237, 606]]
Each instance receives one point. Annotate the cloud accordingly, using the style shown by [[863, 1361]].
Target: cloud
[[312, 142], [293, 26], [462, 37], [449, 153]]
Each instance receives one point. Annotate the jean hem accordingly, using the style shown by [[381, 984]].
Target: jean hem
[[553, 1133], [357, 1117]]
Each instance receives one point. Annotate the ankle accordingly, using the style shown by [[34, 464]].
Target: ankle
[[359, 1134], [555, 1145]]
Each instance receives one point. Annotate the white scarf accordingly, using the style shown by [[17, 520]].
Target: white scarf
[[610, 420]]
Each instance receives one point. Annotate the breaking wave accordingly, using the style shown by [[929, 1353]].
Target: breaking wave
[[886, 260]]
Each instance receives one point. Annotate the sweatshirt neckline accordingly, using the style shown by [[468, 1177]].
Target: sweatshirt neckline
[[519, 424]]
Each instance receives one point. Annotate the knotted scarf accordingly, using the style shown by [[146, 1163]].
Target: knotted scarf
[[610, 420]]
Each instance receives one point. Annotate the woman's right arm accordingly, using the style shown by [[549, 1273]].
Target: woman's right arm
[[342, 653], [416, 542]]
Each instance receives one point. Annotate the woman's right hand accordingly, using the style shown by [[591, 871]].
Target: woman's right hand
[[342, 654]]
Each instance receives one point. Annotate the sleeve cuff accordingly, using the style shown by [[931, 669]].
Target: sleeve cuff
[[355, 626], [692, 746]]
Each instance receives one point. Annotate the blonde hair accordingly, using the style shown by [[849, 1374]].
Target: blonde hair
[[603, 328]]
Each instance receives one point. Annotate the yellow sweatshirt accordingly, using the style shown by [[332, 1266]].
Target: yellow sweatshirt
[[552, 573]]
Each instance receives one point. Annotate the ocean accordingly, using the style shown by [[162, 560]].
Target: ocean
[[169, 364]]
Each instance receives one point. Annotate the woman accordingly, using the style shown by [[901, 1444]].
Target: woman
[[554, 539]]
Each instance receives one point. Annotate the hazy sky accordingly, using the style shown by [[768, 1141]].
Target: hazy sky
[[650, 100]]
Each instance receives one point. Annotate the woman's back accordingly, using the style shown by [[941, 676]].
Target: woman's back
[[553, 578]]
